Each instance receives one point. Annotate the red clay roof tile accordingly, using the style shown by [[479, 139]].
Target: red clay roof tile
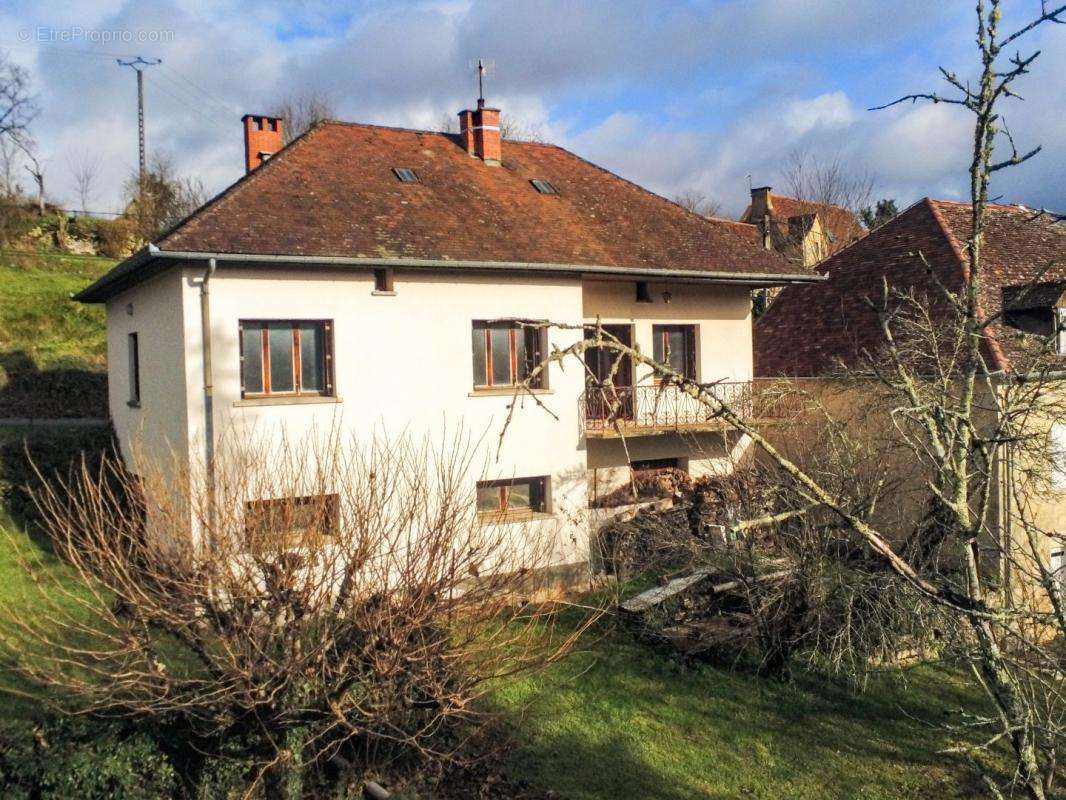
[[811, 330]]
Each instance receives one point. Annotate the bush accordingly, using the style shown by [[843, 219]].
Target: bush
[[69, 759], [114, 237]]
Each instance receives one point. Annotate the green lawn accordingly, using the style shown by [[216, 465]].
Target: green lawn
[[620, 721]]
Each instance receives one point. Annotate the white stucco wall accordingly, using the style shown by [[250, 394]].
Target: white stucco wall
[[158, 429], [403, 365]]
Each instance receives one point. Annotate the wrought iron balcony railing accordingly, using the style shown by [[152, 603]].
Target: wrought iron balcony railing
[[633, 409]]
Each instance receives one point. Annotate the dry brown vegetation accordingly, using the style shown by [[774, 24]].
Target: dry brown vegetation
[[367, 632]]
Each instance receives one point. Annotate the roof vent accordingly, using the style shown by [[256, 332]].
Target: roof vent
[[544, 187], [405, 175]]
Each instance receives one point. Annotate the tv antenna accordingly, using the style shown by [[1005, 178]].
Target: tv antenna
[[483, 67]]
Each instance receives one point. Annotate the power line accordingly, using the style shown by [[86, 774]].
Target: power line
[[211, 97]]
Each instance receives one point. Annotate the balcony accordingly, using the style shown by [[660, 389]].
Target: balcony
[[610, 412]]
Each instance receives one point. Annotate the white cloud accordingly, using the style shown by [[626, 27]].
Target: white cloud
[[827, 112], [672, 95]]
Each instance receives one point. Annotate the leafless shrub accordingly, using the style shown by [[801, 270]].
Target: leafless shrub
[[361, 617], [84, 168]]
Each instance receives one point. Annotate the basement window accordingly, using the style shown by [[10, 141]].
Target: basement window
[[405, 175], [289, 522], [544, 187], [517, 498]]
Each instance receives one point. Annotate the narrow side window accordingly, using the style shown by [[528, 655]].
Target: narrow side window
[[134, 370]]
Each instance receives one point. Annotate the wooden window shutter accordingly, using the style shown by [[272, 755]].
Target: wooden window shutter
[[327, 367], [690, 353]]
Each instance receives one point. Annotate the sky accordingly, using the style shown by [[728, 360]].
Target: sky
[[677, 96]]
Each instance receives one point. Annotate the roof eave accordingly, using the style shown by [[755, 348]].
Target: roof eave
[[122, 277]]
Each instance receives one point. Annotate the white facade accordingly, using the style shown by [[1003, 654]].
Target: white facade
[[403, 363]]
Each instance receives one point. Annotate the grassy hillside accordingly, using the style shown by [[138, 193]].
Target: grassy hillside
[[52, 350]]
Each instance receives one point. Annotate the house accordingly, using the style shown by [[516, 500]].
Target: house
[[802, 230], [380, 278], [817, 331]]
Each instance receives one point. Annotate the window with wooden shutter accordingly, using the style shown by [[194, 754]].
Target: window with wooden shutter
[[286, 358], [506, 353], [675, 346]]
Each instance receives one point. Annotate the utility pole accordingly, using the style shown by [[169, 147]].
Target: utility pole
[[138, 65]]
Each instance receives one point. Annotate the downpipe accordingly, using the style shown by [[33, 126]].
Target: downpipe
[[209, 390]]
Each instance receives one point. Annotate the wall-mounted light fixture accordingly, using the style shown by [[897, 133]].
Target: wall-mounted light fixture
[[668, 296]]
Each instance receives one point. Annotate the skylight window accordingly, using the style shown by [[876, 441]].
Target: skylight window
[[405, 175], [544, 187]]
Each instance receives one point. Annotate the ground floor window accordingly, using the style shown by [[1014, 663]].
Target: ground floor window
[[516, 497], [505, 353], [291, 521], [286, 357]]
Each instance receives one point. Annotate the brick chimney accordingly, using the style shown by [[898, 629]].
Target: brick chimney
[[479, 131], [762, 210], [262, 139]]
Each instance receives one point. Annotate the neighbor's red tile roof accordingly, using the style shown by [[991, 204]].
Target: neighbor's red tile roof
[[811, 330], [333, 193]]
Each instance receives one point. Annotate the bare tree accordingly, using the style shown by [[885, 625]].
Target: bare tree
[[17, 107], [84, 168], [953, 415], [9, 164], [165, 199], [360, 616], [301, 112], [698, 203], [830, 181], [29, 149]]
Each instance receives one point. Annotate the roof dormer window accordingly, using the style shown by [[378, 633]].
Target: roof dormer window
[[1038, 309], [544, 187], [405, 175]]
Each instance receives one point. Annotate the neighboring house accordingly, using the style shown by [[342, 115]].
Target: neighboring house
[[816, 331], [801, 230], [379, 278]]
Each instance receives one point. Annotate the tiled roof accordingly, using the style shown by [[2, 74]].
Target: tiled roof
[[333, 193], [811, 330]]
